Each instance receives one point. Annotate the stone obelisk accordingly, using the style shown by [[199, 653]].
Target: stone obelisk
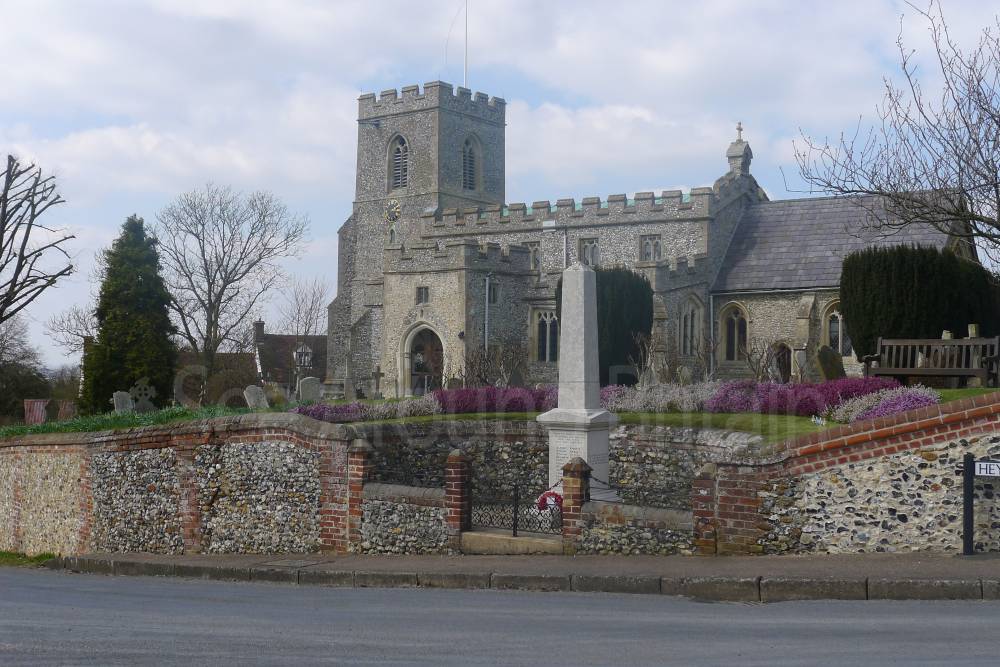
[[579, 426]]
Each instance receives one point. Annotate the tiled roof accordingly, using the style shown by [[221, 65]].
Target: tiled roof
[[801, 243]]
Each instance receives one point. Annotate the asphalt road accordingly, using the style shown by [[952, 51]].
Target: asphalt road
[[55, 618]]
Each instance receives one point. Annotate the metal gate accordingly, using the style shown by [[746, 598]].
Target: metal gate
[[514, 509]]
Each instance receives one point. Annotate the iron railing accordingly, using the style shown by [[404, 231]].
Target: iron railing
[[517, 511]]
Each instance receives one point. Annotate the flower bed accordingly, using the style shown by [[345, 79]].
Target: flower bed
[[803, 400]]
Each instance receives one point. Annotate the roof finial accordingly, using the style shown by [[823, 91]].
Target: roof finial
[[739, 131]]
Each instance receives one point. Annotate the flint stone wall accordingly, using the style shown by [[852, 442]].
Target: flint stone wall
[[137, 502], [614, 528], [911, 501], [46, 499], [260, 497], [400, 519], [653, 465]]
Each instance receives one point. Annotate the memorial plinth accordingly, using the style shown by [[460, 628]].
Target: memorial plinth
[[578, 426]]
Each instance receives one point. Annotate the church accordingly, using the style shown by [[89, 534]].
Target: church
[[434, 265]]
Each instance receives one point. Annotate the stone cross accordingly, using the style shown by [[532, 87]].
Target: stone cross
[[255, 398], [578, 426], [739, 131], [308, 389], [123, 403]]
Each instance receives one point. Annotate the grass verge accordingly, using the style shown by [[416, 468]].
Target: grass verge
[[13, 559]]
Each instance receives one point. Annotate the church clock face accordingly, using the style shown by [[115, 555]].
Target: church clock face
[[392, 211]]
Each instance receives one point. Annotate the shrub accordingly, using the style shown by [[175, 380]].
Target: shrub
[[831, 364], [660, 398], [803, 399], [920, 292], [343, 413], [882, 403], [495, 399]]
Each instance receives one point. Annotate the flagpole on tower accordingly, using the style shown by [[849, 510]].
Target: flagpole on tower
[[465, 74]]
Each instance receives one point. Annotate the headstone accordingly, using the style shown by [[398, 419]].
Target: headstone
[[142, 394], [34, 410], [122, 400], [973, 331], [946, 335], [377, 376], [578, 426], [256, 400], [309, 389]]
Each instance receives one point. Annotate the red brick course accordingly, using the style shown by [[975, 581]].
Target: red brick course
[[725, 498]]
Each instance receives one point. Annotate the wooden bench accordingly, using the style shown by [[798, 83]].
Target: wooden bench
[[963, 357]]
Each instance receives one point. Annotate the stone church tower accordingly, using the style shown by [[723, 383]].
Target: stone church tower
[[418, 151]]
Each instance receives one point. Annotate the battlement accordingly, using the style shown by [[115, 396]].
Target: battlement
[[683, 268], [616, 209], [453, 255], [435, 94]]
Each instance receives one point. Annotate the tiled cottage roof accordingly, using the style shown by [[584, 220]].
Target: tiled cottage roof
[[801, 243]]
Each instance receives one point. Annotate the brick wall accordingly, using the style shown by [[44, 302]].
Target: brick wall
[[47, 498], [727, 497]]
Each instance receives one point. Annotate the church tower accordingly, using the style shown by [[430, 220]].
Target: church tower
[[418, 151]]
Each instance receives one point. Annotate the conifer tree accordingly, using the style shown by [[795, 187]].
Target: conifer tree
[[134, 329]]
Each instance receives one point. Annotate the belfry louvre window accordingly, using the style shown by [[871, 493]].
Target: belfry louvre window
[[651, 248], [546, 336], [399, 163], [423, 295], [469, 175]]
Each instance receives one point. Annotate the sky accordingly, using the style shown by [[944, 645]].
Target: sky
[[130, 103]]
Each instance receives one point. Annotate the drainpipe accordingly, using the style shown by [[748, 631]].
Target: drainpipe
[[486, 320], [711, 333]]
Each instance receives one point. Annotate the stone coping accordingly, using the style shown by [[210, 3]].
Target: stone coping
[[214, 427], [670, 518], [414, 495]]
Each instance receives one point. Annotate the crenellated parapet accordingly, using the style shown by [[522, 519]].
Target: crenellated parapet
[[435, 94], [682, 271], [615, 209], [453, 255]]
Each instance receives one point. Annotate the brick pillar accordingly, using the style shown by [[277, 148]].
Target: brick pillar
[[190, 503], [333, 496], [704, 503], [359, 471], [576, 491], [457, 497]]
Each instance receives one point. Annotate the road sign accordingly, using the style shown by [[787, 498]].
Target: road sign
[[988, 468]]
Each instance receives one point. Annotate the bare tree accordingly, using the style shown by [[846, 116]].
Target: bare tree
[[650, 362], [71, 327], [220, 251], [761, 355], [303, 310], [498, 365], [32, 255], [15, 343], [929, 159]]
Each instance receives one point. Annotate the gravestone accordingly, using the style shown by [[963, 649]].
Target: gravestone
[[309, 389], [122, 400], [142, 394], [578, 426], [255, 398]]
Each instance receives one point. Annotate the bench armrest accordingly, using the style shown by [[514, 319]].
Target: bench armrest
[[868, 358]]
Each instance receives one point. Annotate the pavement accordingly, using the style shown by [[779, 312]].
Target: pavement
[[724, 578]]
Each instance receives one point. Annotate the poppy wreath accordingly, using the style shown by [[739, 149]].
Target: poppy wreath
[[548, 499]]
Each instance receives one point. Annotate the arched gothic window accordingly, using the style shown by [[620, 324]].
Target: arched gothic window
[[470, 165], [734, 331], [836, 335], [399, 163], [651, 251], [690, 323], [392, 234], [546, 336]]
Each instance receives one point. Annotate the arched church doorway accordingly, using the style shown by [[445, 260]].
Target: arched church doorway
[[426, 362]]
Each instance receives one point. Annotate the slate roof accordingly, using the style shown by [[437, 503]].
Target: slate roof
[[801, 243]]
